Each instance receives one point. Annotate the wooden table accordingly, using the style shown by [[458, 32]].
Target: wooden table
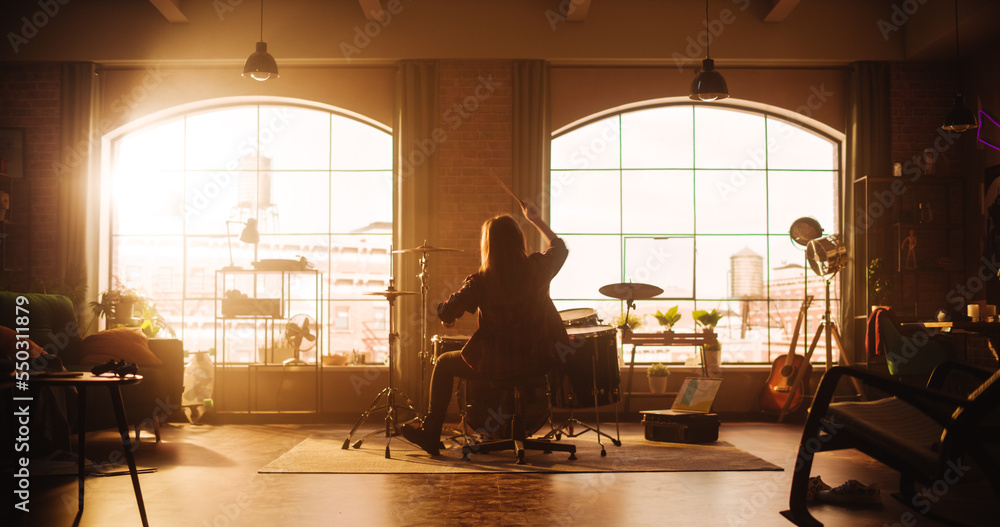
[[83, 381], [664, 338], [990, 329]]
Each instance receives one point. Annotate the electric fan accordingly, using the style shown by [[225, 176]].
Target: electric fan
[[300, 335]]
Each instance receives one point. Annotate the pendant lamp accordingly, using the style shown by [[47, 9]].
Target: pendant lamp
[[959, 118], [260, 65], [708, 84]]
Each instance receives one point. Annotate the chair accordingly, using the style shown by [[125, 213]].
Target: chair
[[924, 433], [909, 355], [518, 441]]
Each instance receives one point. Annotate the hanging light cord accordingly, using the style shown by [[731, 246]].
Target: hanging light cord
[[958, 54], [708, 34], [262, 20]]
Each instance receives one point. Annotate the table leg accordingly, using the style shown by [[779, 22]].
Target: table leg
[[81, 434], [116, 401]]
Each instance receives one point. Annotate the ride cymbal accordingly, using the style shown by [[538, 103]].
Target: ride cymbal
[[630, 291], [427, 249]]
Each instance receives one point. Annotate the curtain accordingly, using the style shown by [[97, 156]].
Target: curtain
[[531, 137], [869, 143], [78, 172], [416, 136]]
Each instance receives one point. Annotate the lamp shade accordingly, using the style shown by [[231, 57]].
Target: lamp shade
[[261, 65], [250, 233], [708, 84], [960, 118]]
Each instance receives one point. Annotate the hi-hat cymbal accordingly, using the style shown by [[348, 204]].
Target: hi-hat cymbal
[[392, 293], [426, 249], [630, 291]]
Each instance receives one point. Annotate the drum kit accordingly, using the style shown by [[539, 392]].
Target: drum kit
[[588, 378]]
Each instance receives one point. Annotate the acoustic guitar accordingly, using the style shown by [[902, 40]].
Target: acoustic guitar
[[786, 371]]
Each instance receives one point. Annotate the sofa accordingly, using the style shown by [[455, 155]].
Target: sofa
[[54, 327]]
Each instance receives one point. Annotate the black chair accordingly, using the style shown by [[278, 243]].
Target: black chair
[[518, 440], [922, 432]]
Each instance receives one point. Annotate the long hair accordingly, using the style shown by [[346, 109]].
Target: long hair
[[502, 250]]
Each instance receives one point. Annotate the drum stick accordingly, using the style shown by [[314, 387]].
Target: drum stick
[[505, 187]]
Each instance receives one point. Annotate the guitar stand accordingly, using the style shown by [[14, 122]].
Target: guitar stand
[[827, 327]]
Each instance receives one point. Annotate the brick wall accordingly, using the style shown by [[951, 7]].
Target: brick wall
[[31, 100], [921, 95], [475, 108]]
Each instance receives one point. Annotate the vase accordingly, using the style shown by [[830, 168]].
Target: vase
[[658, 384]]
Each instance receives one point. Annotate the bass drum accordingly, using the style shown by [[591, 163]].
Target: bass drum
[[579, 317], [446, 343], [588, 375], [489, 409]]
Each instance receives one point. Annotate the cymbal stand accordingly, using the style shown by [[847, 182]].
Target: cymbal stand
[[423, 355], [389, 393]]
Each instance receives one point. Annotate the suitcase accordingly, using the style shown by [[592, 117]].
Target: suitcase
[[680, 427]]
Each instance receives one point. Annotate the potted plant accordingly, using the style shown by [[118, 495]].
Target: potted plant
[[879, 284], [116, 304], [149, 318], [707, 319], [668, 319], [633, 321], [657, 374]]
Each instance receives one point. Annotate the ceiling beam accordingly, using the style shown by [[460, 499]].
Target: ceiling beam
[[578, 10], [780, 9], [372, 9], [170, 9]]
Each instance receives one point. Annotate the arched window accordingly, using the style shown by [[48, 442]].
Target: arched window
[[318, 181], [697, 200]]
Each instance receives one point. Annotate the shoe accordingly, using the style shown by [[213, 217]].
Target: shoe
[[851, 491], [416, 435], [816, 484]]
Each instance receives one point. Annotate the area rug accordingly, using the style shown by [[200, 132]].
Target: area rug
[[325, 455]]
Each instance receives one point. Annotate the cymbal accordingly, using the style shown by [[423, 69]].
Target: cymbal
[[426, 249], [392, 293], [630, 291]]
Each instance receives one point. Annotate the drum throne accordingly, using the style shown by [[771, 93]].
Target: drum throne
[[518, 441]]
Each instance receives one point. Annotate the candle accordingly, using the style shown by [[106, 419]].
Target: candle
[[973, 312]]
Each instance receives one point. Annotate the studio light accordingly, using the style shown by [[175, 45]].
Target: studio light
[[261, 65], [708, 84], [960, 118]]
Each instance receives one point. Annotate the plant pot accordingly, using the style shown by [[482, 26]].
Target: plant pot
[[123, 313], [658, 384]]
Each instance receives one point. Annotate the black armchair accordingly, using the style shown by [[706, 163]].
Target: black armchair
[[926, 434]]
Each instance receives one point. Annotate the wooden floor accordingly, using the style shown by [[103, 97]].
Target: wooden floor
[[207, 477]]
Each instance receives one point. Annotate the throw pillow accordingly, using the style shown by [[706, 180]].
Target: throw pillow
[[8, 343], [128, 344]]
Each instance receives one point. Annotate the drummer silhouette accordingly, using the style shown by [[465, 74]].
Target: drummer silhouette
[[519, 326]]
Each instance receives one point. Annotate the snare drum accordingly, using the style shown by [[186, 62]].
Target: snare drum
[[446, 343], [579, 317], [588, 375]]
